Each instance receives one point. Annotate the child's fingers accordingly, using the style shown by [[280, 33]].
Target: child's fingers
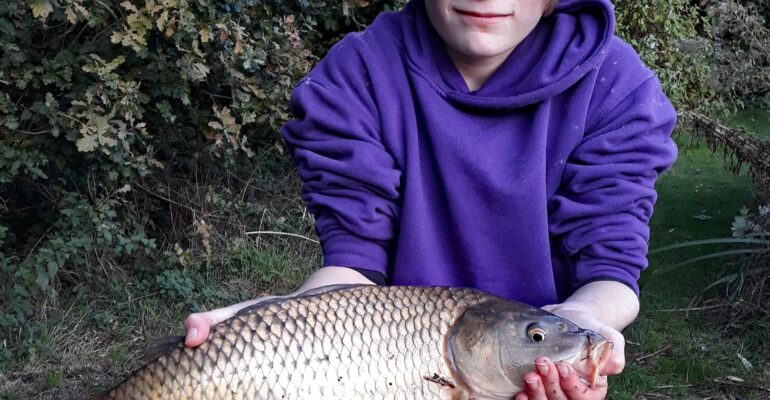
[[196, 328], [198, 325], [575, 389], [550, 388], [533, 388], [521, 396]]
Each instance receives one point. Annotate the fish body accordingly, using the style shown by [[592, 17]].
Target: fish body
[[368, 342]]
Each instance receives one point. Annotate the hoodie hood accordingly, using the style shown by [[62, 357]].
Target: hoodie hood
[[561, 49]]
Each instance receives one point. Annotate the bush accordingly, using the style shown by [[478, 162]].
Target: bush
[[125, 122], [709, 59], [741, 42], [659, 30], [136, 132]]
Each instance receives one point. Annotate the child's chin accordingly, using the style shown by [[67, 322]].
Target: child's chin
[[484, 48]]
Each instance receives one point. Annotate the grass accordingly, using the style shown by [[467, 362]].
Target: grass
[[89, 339], [673, 353], [755, 120]]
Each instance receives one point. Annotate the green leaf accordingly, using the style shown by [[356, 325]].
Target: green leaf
[[53, 268], [37, 172], [42, 278], [87, 143], [20, 290]]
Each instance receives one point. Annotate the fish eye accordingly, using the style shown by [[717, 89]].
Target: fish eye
[[536, 333]]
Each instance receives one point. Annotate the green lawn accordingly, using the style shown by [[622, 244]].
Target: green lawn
[[88, 339], [673, 353]]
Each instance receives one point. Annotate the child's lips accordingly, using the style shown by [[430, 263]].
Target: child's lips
[[484, 15], [482, 19]]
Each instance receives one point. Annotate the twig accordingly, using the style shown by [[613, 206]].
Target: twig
[[638, 359], [32, 133], [671, 386], [282, 233], [215, 95], [744, 385], [34, 247], [688, 309], [106, 7], [261, 220], [195, 212], [139, 298]]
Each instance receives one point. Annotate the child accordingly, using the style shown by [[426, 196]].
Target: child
[[507, 145]]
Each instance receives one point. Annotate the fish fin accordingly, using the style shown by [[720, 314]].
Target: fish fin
[[160, 347], [310, 292], [330, 288]]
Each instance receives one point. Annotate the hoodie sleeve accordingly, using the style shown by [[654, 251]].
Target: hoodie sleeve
[[601, 212], [350, 181]]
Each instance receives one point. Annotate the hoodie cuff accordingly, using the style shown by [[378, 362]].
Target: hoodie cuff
[[588, 274], [348, 250], [374, 276]]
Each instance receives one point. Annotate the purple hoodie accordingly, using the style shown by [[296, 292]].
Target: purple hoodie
[[530, 187]]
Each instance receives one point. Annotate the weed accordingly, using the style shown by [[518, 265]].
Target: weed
[[53, 379], [9, 395]]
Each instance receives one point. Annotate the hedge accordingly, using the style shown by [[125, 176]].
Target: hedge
[[114, 115]]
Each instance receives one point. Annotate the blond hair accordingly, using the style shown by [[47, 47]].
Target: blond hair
[[550, 6]]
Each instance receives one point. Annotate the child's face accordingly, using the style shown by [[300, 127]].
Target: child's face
[[484, 29]]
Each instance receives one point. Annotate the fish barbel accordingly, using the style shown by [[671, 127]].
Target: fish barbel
[[369, 342]]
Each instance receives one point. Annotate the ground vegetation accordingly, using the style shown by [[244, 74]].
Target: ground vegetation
[[142, 176]]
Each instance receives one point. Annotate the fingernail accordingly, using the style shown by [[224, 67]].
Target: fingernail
[[532, 382], [563, 370], [542, 368], [192, 333]]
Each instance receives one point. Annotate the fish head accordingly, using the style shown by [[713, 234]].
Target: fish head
[[494, 344]]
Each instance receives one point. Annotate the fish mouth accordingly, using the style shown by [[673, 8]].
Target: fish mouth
[[590, 361]]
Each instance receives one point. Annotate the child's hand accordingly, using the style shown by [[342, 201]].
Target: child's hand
[[617, 360], [560, 381], [198, 325]]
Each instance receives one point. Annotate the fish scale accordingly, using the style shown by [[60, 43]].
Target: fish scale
[[344, 344]]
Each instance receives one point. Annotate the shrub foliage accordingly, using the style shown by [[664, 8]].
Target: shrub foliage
[[133, 129], [110, 109]]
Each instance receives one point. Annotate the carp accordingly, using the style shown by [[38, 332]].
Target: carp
[[368, 342]]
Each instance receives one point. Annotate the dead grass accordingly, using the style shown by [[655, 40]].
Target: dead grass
[[91, 337]]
